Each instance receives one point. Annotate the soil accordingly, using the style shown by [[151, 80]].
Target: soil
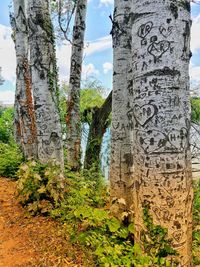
[[31, 241]]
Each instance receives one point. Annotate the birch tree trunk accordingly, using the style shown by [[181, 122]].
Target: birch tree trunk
[[44, 82], [161, 110], [121, 128], [73, 103], [25, 125]]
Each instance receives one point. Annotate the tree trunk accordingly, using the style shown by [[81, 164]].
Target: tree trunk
[[97, 129], [1, 78], [162, 179], [121, 128], [73, 103], [44, 82], [25, 126]]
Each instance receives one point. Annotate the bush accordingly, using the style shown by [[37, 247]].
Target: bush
[[85, 212], [40, 186], [10, 159], [6, 125], [81, 203]]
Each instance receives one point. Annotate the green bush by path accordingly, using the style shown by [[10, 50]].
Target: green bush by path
[[10, 159], [6, 125], [80, 201], [40, 187]]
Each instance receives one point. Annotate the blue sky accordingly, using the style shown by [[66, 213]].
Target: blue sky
[[98, 53]]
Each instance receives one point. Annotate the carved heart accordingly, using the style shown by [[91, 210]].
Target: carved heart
[[144, 113], [154, 141], [158, 49], [162, 214], [178, 138], [178, 235], [165, 32], [115, 125], [145, 29], [151, 140]]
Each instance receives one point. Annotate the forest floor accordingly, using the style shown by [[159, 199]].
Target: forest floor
[[31, 241]]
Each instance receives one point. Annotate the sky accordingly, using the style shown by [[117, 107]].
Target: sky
[[98, 48]]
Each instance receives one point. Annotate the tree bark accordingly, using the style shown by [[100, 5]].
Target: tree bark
[[73, 103], [24, 123], [121, 128], [44, 82], [1, 78], [97, 129], [162, 179]]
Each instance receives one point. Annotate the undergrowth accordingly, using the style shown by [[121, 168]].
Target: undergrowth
[[196, 225], [10, 159], [81, 202], [10, 154], [41, 187]]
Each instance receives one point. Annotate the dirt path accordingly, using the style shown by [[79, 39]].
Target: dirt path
[[30, 241]]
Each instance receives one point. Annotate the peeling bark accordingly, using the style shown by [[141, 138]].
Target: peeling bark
[[25, 125], [44, 82], [122, 126], [73, 103], [162, 178], [97, 129]]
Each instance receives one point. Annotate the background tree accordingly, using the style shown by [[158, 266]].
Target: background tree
[[44, 82], [73, 102], [99, 124], [24, 120], [162, 178], [121, 129]]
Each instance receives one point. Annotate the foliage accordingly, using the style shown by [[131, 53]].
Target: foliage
[[40, 186], [6, 125], [155, 239], [10, 159], [84, 210], [195, 104], [90, 98], [196, 224], [10, 155]]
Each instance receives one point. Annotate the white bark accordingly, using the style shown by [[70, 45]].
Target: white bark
[[121, 128], [25, 127], [44, 82], [1, 78], [73, 103], [161, 109]]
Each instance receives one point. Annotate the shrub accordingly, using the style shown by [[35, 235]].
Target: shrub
[[40, 186], [6, 125], [10, 159]]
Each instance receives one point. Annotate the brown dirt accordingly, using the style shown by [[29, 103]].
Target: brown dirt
[[31, 241]]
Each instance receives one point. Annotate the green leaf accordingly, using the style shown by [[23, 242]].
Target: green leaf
[[113, 225], [131, 228]]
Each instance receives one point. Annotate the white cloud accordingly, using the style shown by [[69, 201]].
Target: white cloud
[[7, 54], [107, 66], [63, 54], [195, 30], [7, 97], [89, 70], [107, 2], [99, 45], [195, 73]]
